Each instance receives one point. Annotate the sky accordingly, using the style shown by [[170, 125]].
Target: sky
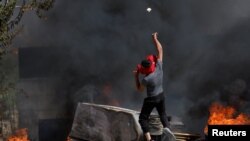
[[205, 46]]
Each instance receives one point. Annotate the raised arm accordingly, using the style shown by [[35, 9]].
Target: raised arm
[[158, 46]]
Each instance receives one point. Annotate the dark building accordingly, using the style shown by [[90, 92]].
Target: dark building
[[43, 102]]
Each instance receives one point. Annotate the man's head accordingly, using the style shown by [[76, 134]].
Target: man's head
[[146, 63], [147, 66]]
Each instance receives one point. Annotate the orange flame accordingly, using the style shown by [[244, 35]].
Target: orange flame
[[20, 135], [107, 94], [220, 115], [68, 139]]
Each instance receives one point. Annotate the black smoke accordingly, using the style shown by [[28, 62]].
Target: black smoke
[[205, 45]]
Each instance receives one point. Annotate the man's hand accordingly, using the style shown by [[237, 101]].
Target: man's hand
[[136, 72], [158, 46], [139, 86], [155, 35]]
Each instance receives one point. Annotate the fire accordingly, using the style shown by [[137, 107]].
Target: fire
[[107, 96], [20, 135], [221, 115], [68, 139]]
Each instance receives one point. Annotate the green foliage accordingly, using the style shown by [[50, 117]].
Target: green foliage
[[6, 12], [9, 24], [42, 6], [9, 28]]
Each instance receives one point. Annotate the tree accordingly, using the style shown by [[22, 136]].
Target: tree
[[9, 23], [11, 13]]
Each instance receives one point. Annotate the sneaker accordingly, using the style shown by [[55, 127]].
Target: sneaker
[[168, 135]]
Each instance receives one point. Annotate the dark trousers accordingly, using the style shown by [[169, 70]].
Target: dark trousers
[[149, 104]]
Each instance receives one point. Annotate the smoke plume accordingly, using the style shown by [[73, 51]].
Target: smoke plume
[[205, 45]]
